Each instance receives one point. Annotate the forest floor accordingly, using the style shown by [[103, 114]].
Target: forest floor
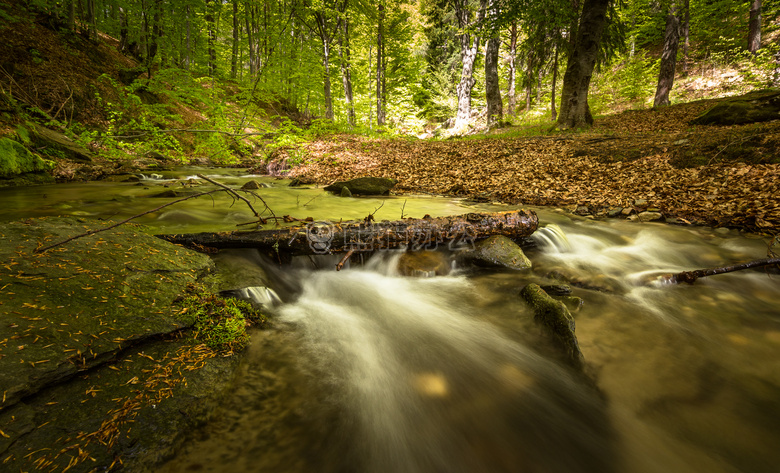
[[629, 162]]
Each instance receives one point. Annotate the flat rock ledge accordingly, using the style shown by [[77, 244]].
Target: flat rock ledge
[[89, 347]]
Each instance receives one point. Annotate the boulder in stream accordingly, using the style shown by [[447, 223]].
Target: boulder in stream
[[364, 185], [501, 251]]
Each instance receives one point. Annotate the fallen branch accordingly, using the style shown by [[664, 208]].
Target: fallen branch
[[691, 276]]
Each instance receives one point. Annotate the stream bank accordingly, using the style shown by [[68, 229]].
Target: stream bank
[[95, 370]]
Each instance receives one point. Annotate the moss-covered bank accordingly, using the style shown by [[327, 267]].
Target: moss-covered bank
[[95, 368]]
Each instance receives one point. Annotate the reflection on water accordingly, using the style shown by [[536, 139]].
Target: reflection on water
[[212, 213], [364, 370]]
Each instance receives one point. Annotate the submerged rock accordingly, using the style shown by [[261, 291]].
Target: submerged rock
[[365, 185], [557, 321], [423, 264], [499, 250]]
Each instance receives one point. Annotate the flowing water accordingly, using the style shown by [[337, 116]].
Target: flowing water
[[367, 370]]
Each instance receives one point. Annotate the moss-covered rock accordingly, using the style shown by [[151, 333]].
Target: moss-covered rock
[[15, 160], [758, 106], [557, 322], [501, 251], [364, 185]]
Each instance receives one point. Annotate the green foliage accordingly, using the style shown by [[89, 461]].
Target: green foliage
[[629, 84], [220, 323], [16, 159]]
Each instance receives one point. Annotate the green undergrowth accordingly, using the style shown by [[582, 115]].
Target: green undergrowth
[[220, 323]]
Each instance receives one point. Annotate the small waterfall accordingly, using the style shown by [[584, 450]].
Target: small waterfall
[[262, 295], [552, 238], [421, 384]]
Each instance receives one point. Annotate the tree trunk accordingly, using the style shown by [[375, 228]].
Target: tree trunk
[[495, 107], [754, 27], [326, 237], [346, 73], [326, 79], [380, 69], [212, 38], [668, 58], [123, 30], [468, 52], [553, 112], [234, 50], [250, 38], [72, 15], [575, 112], [511, 94], [685, 32]]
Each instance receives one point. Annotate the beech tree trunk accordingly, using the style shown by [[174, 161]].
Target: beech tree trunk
[[346, 72], [754, 27], [575, 112], [511, 94], [553, 112], [668, 58], [380, 68], [328, 238], [685, 32], [212, 38], [234, 49], [495, 107], [468, 53]]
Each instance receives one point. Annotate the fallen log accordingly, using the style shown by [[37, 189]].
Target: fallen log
[[368, 235]]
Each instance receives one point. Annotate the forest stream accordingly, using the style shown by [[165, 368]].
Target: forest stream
[[368, 370]]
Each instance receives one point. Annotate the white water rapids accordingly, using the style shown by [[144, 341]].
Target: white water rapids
[[366, 370]]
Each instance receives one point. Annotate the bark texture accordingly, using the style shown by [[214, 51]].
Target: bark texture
[[575, 112], [668, 58], [332, 237], [754, 27]]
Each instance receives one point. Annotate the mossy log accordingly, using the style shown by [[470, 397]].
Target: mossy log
[[557, 321], [367, 235]]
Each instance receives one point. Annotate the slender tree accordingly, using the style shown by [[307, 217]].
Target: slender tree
[[754, 27], [469, 46], [512, 68], [495, 107], [668, 57], [346, 71], [380, 66]]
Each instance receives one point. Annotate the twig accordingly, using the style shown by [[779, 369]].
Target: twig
[[402, 209], [92, 232], [370, 216], [233, 193], [343, 261], [691, 276]]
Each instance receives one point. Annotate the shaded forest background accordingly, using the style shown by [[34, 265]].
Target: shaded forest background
[[222, 81]]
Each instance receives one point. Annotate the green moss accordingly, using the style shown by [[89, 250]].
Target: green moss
[[220, 323], [15, 159]]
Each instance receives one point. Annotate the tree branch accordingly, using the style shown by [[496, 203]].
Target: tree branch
[[691, 276]]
